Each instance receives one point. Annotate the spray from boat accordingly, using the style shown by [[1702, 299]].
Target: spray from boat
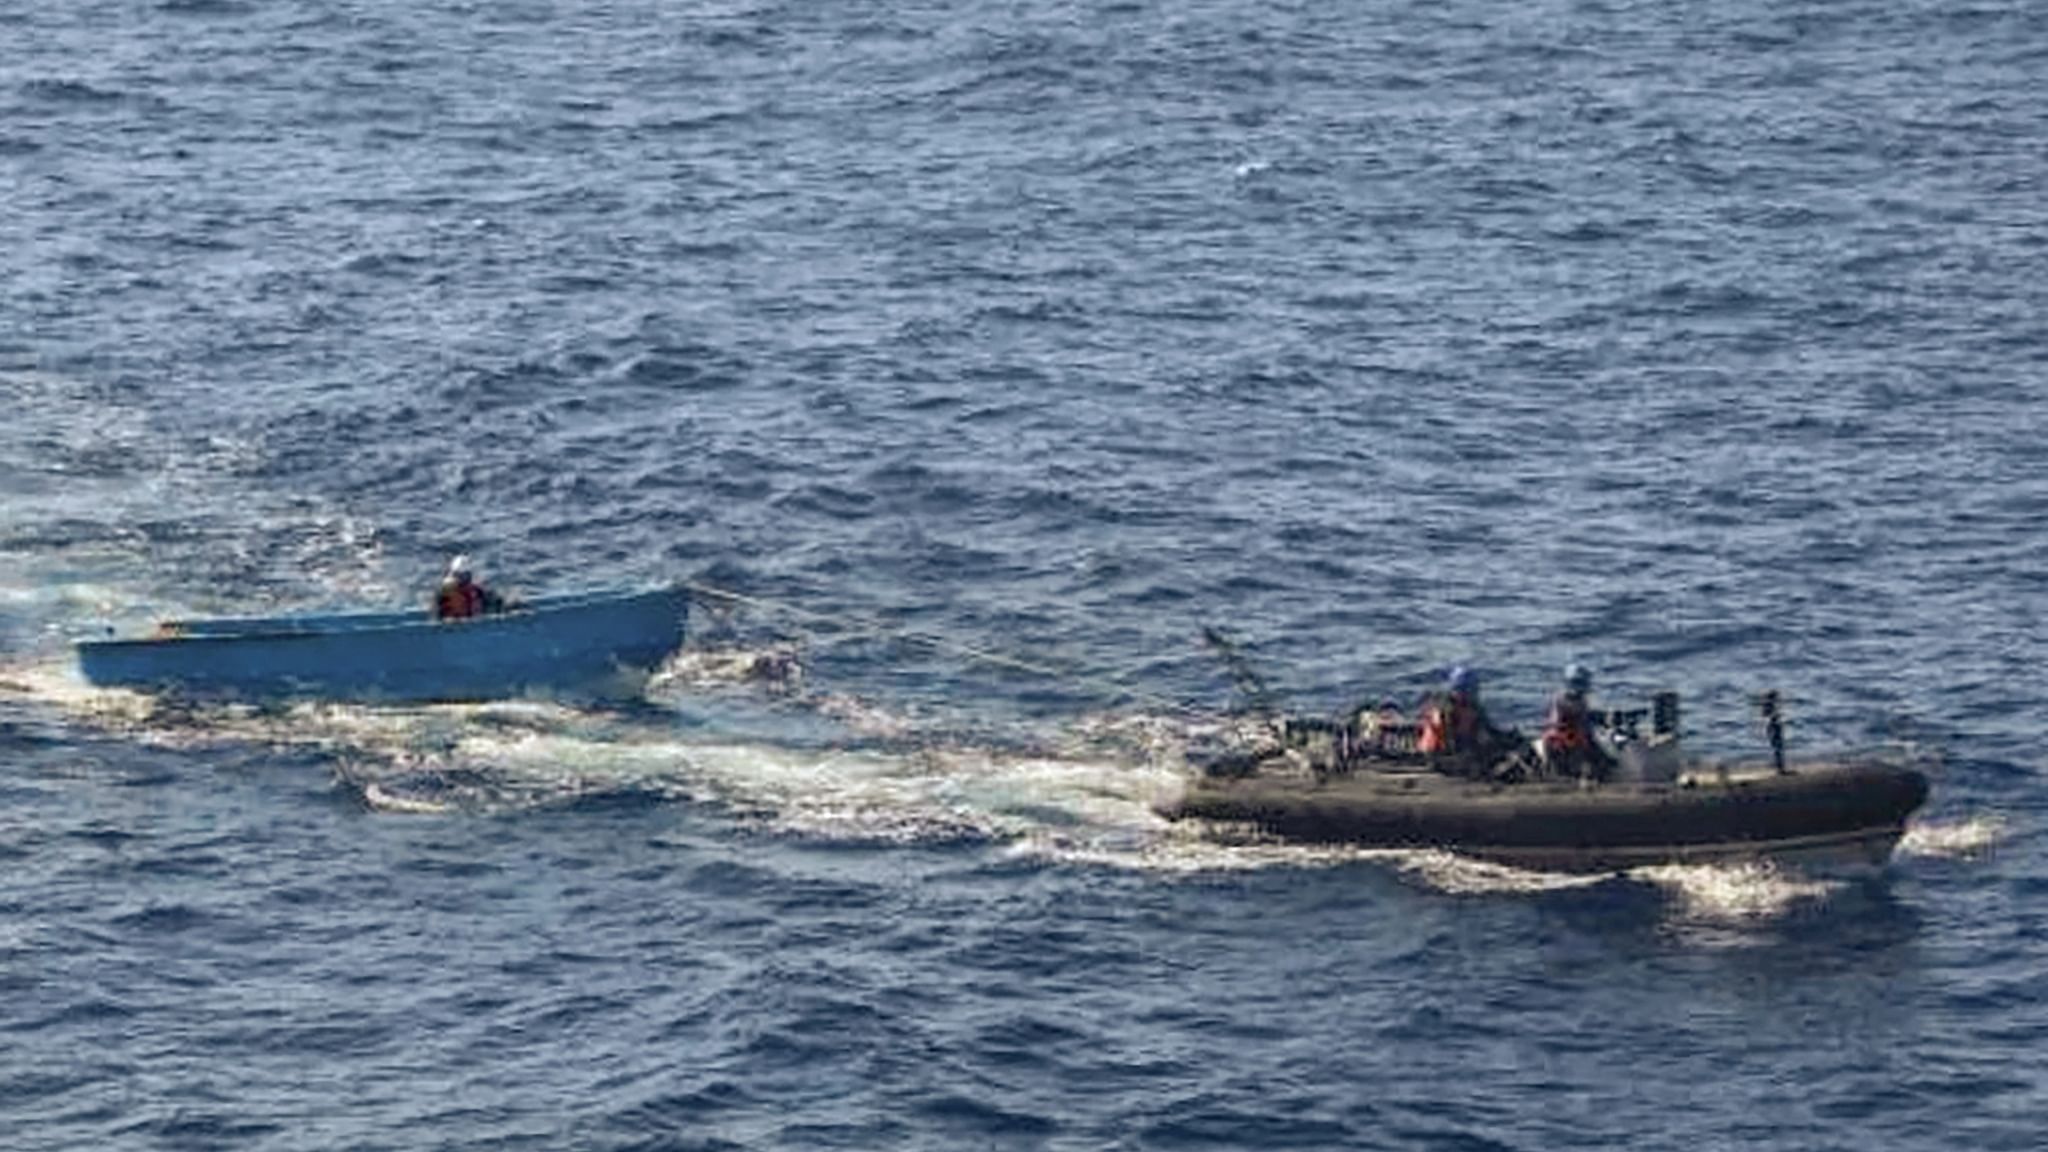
[[833, 768]]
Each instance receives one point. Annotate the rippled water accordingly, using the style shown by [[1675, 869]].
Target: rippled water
[[995, 350]]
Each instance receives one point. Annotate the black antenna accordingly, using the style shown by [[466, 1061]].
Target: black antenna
[[1774, 727], [1248, 682]]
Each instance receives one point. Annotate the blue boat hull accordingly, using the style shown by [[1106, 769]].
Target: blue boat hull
[[585, 646]]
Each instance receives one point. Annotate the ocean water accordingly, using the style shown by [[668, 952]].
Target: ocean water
[[993, 351]]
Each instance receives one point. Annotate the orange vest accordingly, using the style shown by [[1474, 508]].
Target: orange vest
[[459, 601], [1568, 729], [1451, 725]]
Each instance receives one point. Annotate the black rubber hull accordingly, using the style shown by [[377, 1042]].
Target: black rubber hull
[[1851, 813]]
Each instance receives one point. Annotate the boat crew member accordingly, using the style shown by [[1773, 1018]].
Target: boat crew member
[[1568, 746], [462, 595], [1456, 729]]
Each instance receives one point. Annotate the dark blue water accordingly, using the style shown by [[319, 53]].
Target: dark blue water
[[1703, 346]]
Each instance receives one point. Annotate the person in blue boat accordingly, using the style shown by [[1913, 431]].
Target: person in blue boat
[[1568, 745], [1456, 730], [462, 596]]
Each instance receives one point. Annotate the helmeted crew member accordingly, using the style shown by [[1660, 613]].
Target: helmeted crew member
[[1455, 725], [1568, 745], [462, 596]]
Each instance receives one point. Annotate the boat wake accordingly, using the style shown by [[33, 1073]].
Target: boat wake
[[838, 770]]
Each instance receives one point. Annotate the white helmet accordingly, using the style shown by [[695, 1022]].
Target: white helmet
[[459, 568]]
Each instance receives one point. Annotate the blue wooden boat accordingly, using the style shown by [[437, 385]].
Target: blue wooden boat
[[597, 645]]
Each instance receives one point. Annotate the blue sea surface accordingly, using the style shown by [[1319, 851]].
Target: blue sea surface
[[992, 351]]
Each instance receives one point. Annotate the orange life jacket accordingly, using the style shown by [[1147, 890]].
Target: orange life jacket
[[1568, 727], [458, 601], [1450, 725]]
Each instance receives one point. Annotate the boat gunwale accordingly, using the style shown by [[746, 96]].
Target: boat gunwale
[[373, 623]]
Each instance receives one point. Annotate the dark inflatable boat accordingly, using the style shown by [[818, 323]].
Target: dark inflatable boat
[[1831, 815], [1361, 781]]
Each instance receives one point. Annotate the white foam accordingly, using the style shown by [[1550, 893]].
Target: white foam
[[1462, 875], [1182, 849], [778, 667], [376, 797], [54, 682], [1076, 806], [1966, 838], [1746, 892], [930, 794]]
